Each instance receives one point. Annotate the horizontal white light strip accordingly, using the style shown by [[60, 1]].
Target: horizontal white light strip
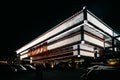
[[93, 31], [93, 40], [56, 30], [65, 33], [26, 59], [24, 52], [75, 39], [85, 47], [100, 25], [65, 42], [118, 38], [84, 53], [24, 56], [87, 24]]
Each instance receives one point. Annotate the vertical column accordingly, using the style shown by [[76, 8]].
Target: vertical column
[[113, 43], [82, 34], [78, 48], [85, 13], [18, 60]]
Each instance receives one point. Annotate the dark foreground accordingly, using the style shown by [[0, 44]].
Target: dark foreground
[[63, 75], [47, 75]]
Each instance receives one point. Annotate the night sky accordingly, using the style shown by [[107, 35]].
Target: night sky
[[21, 22]]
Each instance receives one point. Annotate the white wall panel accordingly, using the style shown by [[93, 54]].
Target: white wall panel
[[84, 53], [65, 42], [93, 40], [93, 31], [75, 39], [73, 30], [100, 25], [85, 47], [24, 56]]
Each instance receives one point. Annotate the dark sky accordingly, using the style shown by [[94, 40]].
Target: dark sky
[[21, 22]]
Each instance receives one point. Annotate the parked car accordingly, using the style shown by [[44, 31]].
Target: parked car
[[63, 66], [102, 72], [7, 71], [7, 68], [29, 68], [20, 68]]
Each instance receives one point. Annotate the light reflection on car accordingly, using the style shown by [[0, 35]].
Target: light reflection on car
[[29, 68], [100, 72], [20, 68]]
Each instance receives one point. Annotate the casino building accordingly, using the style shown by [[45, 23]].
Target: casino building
[[83, 35]]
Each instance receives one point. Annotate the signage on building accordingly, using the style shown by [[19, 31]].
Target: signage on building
[[37, 50]]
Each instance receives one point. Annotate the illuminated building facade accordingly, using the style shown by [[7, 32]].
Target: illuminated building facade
[[82, 34]]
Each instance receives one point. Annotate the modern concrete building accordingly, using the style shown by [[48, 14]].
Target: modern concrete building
[[81, 35]]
